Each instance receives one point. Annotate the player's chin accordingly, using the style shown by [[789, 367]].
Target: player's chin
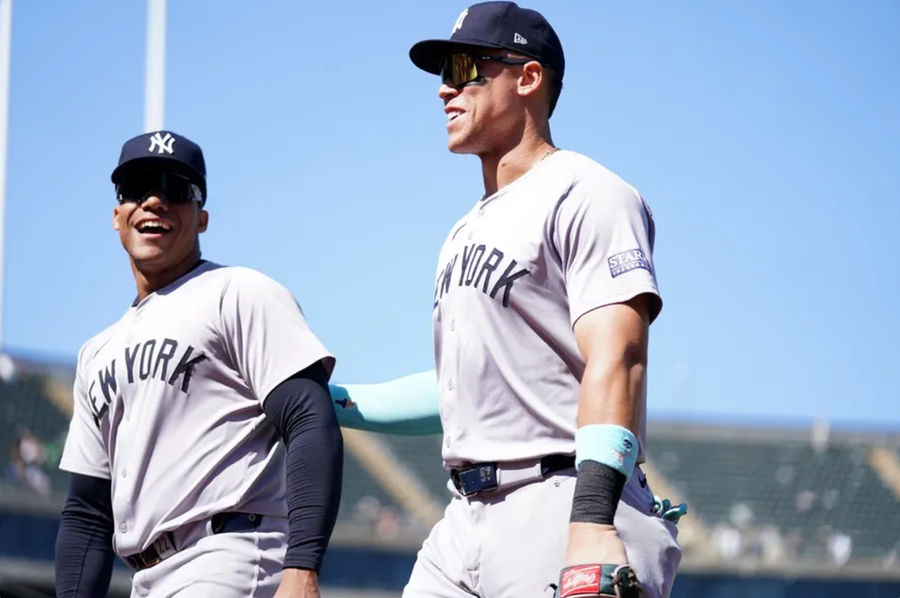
[[154, 264], [462, 140], [150, 251], [458, 145]]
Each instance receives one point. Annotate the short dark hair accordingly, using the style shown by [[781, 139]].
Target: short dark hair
[[554, 88], [554, 82]]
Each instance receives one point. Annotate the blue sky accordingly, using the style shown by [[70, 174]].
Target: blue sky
[[764, 135]]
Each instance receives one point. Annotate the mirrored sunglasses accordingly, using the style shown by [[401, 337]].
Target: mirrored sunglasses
[[171, 188], [458, 70]]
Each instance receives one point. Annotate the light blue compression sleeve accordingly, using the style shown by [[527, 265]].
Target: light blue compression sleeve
[[407, 405]]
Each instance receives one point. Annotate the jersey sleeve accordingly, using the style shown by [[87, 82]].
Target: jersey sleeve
[[266, 333], [84, 451], [603, 232]]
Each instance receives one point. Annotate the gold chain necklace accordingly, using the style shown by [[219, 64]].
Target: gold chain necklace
[[547, 154]]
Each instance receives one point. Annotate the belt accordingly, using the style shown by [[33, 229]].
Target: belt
[[479, 478], [164, 546]]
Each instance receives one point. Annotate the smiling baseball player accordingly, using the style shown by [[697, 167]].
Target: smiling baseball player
[[544, 294], [203, 447]]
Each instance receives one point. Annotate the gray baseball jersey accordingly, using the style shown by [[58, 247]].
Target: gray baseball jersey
[[168, 401], [514, 276]]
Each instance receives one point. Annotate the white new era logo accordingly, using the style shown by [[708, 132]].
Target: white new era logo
[[518, 39], [163, 144]]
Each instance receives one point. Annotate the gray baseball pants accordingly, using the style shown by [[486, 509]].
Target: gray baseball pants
[[511, 543], [245, 564]]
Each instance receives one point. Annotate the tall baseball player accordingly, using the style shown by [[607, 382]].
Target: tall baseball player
[[544, 294], [203, 447]]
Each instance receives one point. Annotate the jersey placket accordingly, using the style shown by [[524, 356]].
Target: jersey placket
[[123, 500], [452, 327]]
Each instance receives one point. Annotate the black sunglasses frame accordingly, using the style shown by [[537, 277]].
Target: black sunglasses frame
[[172, 188]]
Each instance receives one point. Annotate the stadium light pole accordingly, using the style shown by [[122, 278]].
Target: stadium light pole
[[155, 90], [5, 34]]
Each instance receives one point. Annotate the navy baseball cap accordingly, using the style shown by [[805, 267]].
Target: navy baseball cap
[[162, 151], [495, 25]]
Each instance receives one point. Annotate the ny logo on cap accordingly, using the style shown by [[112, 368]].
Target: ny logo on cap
[[163, 144], [459, 21]]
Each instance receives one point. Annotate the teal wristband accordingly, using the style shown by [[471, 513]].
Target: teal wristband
[[608, 444]]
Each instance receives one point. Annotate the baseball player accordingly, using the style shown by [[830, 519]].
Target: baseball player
[[203, 448], [544, 293]]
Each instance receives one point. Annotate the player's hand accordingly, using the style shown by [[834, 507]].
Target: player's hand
[[596, 565], [298, 583], [594, 543]]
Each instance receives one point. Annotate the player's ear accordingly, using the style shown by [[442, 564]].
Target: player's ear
[[531, 79], [202, 221], [116, 218]]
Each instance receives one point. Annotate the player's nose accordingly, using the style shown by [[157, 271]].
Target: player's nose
[[447, 92], [154, 201]]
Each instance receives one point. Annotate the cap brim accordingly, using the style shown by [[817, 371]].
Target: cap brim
[[159, 164], [427, 54]]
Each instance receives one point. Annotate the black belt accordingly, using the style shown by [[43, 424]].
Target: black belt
[[483, 477], [164, 546]]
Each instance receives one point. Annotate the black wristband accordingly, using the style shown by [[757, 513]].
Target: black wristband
[[598, 489]]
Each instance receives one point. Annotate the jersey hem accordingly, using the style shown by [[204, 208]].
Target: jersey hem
[[303, 364], [619, 298]]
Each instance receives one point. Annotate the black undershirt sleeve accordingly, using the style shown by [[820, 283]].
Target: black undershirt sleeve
[[84, 555], [300, 409]]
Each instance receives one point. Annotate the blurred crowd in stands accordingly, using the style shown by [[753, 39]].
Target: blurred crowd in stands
[[27, 462], [27, 453], [384, 522], [742, 539]]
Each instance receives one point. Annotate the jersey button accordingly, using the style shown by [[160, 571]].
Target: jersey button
[[452, 325], [123, 528], [450, 384], [124, 474]]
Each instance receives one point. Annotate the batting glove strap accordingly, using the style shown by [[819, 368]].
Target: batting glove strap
[[612, 581], [663, 508]]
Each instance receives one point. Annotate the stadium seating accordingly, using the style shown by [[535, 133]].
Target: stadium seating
[[25, 408], [422, 454], [821, 501]]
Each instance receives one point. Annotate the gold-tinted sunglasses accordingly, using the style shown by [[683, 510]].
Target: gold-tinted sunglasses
[[459, 70]]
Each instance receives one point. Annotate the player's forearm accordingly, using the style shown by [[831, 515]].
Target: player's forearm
[[609, 403], [407, 405], [314, 465], [612, 392], [613, 340], [300, 410], [84, 561], [84, 555]]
